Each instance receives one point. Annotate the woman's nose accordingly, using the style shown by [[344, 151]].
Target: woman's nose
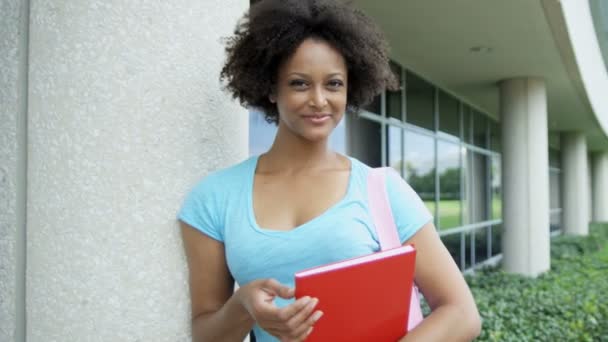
[[318, 98]]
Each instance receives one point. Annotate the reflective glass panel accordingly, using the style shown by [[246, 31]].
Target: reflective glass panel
[[375, 106], [420, 102], [261, 133], [453, 244], [555, 221], [496, 181], [419, 166], [495, 143], [480, 130], [364, 140], [482, 245], [555, 159], [466, 124], [477, 187], [449, 115], [393, 98], [554, 190], [394, 146], [450, 211], [496, 233]]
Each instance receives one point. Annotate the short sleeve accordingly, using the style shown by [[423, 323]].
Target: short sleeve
[[409, 211], [201, 209]]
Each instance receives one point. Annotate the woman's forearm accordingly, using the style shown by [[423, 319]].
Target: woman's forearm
[[231, 323], [446, 323]]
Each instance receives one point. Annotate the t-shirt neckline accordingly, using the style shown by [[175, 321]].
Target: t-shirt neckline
[[304, 226]]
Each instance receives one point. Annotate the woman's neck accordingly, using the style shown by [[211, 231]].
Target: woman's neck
[[290, 153]]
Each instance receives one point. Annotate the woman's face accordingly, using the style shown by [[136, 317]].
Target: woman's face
[[311, 91]]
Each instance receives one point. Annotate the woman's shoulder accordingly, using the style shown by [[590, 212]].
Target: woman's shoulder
[[226, 178]]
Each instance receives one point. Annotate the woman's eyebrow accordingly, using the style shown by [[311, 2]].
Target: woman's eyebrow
[[307, 75]]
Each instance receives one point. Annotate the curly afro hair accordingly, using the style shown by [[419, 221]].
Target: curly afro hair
[[273, 29]]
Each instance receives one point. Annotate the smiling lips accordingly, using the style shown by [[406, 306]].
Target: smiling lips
[[317, 118]]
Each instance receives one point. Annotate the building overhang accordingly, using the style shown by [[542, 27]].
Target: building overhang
[[468, 46]]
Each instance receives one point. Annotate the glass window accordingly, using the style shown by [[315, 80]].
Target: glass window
[[496, 232], [555, 221], [480, 130], [554, 190], [496, 188], [419, 166], [420, 101], [375, 106], [364, 139], [481, 245], [495, 143], [337, 139], [477, 187], [394, 148], [468, 249], [466, 124], [455, 244], [449, 115], [393, 98], [450, 211], [261, 133], [555, 159]]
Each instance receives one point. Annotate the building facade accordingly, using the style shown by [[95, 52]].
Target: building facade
[[112, 110]]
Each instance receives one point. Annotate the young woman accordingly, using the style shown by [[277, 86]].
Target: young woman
[[305, 64]]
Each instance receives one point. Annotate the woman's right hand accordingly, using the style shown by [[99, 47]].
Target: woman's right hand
[[292, 323]]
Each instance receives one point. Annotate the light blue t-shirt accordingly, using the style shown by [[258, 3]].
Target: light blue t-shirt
[[220, 206]]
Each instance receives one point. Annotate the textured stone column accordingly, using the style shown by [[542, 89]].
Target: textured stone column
[[575, 188], [600, 186], [13, 164], [525, 166], [125, 114]]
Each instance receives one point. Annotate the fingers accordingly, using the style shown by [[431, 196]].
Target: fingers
[[298, 318], [274, 287], [294, 310], [301, 322]]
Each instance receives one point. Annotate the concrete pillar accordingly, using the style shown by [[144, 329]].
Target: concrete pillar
[[13, 165], [600, 186], [126, 114], [525, 166], [575, 188]]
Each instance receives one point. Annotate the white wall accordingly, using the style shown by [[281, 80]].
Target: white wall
[[125, 115]]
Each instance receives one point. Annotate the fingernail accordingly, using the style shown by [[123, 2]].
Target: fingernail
[[317, 315], [306, 299], [314, 302]]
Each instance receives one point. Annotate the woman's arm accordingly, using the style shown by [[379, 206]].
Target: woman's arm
[[216, 313], [219, 314], [454, 315]]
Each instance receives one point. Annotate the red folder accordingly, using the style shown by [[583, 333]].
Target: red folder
[[362, 299]]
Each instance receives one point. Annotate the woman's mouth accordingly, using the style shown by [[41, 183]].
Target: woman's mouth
[[317, 119]]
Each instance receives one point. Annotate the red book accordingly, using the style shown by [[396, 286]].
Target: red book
[[362, 299]]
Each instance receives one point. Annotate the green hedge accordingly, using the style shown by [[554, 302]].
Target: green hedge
[[569, 303]]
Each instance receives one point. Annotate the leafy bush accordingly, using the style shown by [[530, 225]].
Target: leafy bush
[[568, 303]]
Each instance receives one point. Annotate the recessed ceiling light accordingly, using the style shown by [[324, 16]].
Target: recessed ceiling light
[[481, 49]]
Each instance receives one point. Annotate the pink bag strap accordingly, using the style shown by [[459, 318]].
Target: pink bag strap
[[380, 209], [386, 229]]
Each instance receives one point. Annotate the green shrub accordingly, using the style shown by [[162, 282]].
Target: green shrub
[[569, 303]]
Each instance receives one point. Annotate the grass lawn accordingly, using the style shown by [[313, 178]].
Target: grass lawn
[[450, 212]]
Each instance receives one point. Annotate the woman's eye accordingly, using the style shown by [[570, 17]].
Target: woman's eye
[[297, 83], [335, 83]]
